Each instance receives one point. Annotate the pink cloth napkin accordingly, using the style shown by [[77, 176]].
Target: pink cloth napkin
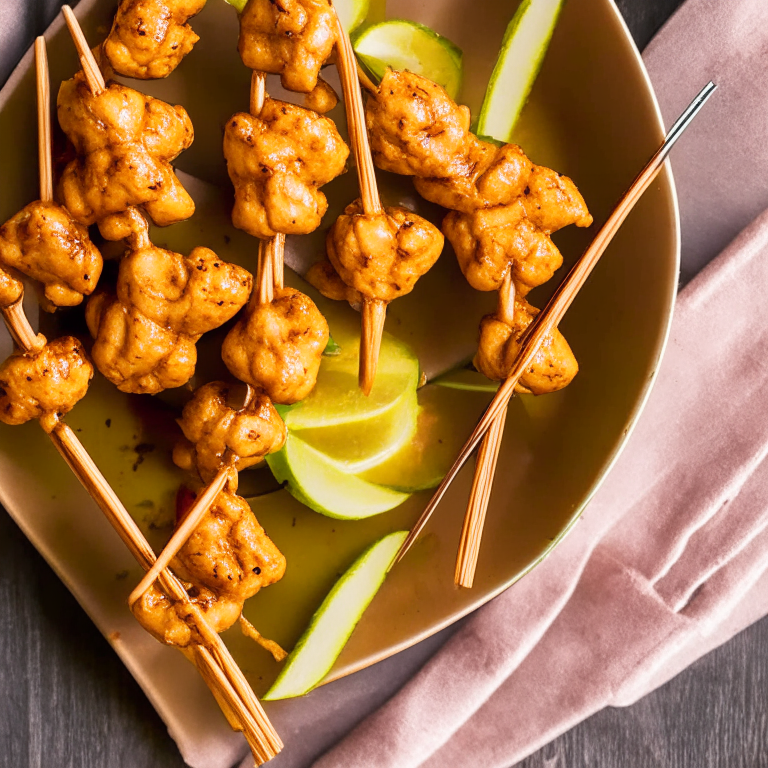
[[670, 558]]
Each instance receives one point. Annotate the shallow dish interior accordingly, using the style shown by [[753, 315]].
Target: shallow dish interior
[[593, 117]]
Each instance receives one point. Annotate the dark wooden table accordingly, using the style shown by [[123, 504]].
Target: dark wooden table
[[67, 702]]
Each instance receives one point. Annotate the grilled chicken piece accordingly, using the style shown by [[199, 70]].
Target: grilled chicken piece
[[415, 128], [382, 256], [11, 288], [145, 335], [44, 385], [553, 367], [290, 38], [173, 623], [212, 429], [487, 176], [149, 38], [44, 242], [277, 163], [125, 142], [325, 278], [229, 552], [278, 346], [490, 241]]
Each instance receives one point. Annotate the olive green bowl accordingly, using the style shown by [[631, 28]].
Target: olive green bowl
[[592, 116]]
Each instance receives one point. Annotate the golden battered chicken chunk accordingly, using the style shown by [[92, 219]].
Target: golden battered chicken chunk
[[490, 241], [552, 201], [44, 242], [488, 176], [189, 294], [415, 127], [229, 552], [136, 354], [290, 38], [125, 142], [145, 336], [212, 430], [11, 289], [174, 623], [382, 256], [149, 38], [553, 367], [277, 163], [44, 385], [322, 98], [278, 346], [325, 278]]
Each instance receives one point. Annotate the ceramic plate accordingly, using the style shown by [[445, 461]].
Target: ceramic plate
[[592, 116]]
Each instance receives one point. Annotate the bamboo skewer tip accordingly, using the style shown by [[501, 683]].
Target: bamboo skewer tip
[[373, 315], [44, 151], [91, 69]]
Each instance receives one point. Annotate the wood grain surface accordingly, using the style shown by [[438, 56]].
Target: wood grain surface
[[67, 702]]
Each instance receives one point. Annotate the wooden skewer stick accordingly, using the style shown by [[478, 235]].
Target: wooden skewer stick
[[258, 92], [45, 165], [374, 310], [365, 81], [278, 261], [485, 469], [277, 243], [20, 329], [373, 315], [472, 530], [265, 281], [558, 305], [90, 68]]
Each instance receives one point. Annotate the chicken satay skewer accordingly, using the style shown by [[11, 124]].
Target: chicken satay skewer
[[263, 293], [373, 311], [215, 661], [549, 318], [199, 509], [216, 665]]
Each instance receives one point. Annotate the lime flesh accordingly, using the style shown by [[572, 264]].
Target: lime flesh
[[333, 622], [337, 399], [402, 44], [446, 418], [359, 445], [313, 480]]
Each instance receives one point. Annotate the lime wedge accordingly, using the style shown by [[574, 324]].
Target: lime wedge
[[337, 398], [333, 622], [522, 51], [359, 445], [316, 482], [402, 44], [446, 419]]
